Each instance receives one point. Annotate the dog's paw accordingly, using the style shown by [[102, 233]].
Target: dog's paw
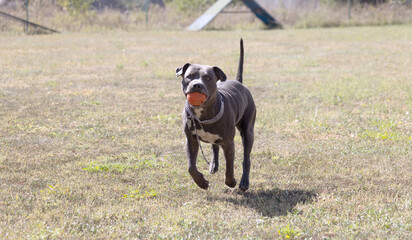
[[230, 182], [244, 185], [203, 184]]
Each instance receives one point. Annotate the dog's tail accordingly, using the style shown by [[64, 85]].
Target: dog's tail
[[239, 75]]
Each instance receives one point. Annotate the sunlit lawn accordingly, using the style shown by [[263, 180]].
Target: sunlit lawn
[[91, 142]]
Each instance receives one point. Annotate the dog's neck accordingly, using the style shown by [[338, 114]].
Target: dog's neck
[[210, 109]]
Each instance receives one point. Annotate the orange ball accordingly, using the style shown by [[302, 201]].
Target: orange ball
[[196, 99]]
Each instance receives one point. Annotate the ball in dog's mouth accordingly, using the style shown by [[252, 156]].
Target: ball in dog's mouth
[[196, 98]]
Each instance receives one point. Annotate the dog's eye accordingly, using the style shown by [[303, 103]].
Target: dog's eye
[[207, 77], [190, 76]]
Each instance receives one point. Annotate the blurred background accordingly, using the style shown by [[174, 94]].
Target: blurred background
[[131, 15]]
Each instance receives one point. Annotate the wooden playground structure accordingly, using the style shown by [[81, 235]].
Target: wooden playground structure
[[218, 7]]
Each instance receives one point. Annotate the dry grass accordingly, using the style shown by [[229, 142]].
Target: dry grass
[[91, 143]]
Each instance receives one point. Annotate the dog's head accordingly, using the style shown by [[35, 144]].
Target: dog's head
[[200, 78]]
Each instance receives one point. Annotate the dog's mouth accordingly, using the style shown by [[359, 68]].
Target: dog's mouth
[[196, 99]]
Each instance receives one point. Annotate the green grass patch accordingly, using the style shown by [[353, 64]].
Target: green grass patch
[[385, 130], [288, 232], [106, 167], [57, 190], [121, 162], [138, 194]]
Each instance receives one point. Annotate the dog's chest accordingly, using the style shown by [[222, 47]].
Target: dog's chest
[[207, 136]]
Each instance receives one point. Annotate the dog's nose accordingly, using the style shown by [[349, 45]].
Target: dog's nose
[[197, 86]]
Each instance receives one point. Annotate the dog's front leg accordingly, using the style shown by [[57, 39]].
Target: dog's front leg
[[192, 148]]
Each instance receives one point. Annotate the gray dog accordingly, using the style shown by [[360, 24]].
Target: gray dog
[[228, 104]]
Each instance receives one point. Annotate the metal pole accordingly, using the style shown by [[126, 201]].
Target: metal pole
[[26, 25], [349, 9], [146, 6]]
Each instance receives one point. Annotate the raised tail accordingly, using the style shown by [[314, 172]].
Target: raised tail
[[239, 75]]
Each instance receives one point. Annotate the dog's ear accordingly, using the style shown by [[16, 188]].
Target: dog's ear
[[180, 71], [220, 74]]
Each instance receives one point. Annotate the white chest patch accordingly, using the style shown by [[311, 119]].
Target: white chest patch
[[198, 112], [207, 137]]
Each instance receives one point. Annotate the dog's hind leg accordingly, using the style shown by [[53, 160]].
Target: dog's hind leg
[[229, 151], [247, 139], [214, 164], [246, 131]]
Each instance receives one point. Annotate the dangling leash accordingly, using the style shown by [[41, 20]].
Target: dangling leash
[[193, 120], [198, 140]]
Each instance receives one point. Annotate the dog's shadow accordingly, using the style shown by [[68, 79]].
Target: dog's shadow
[[269, 203]]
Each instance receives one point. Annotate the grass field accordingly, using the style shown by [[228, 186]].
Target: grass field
[[91, 142]]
